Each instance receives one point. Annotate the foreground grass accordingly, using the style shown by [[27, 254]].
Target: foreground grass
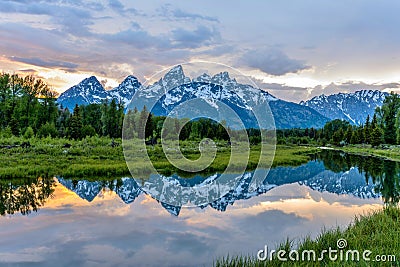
[[95, 156], [378, 232]]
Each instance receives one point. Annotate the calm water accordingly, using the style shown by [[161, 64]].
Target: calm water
[[108, 223]]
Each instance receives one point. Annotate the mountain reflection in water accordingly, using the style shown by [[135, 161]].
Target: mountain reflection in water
[[327, 171]]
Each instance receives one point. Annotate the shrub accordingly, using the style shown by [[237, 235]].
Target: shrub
[[29, 133], [7, 133], [88, 130], [48, 129]]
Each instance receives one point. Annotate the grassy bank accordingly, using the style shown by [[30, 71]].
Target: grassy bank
[[389, 152], [378, 232], [96, 157]]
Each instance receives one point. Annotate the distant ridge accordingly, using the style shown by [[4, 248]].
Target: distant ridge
[[353, 107]]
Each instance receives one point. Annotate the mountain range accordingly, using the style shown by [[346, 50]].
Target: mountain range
[[175, 88]]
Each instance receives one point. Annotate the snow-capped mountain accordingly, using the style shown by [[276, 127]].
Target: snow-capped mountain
[[175, 88], [90, 91], [353, 107]]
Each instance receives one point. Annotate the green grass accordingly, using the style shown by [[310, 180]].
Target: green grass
[[95, 157], [378, 231]]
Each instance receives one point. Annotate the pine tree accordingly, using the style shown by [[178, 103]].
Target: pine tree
[[374, 122], [113, 120], [149, 127], [390, 108], [377, 137], [349, 133], [14, 126], [142, 122], [367, 130], [75, 124]]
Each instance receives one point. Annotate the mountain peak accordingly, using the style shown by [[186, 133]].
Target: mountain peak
[[222, 76], [91, 79], [174, 77], [203, 78]]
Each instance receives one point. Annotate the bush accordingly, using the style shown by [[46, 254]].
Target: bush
[[48, 129], [29, 133], [88, 130], [7, 133]]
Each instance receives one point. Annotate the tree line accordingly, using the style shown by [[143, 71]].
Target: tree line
[[28, 108]]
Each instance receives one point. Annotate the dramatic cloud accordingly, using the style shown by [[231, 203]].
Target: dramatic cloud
[[276, 41], [273, 61]]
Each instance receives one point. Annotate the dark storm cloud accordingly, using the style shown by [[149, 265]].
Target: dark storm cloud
[[45, 63], [273, 61]]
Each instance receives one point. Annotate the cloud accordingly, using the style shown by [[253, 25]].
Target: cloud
[[117, 6], [45, 63], [71, 18], [272, 61], [201, 36], [177, 13], [28, 71], [179, 38], [277, 86]]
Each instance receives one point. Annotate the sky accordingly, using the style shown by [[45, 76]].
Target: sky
[[294, 49]]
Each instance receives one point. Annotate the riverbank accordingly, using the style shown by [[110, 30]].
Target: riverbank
[[103, 157], [385, 152], [377, 232]]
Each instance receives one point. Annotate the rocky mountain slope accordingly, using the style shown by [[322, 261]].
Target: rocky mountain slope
[[353, 107]]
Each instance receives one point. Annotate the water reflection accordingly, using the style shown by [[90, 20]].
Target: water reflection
[[24, 196], [382, 174], [327, 171]]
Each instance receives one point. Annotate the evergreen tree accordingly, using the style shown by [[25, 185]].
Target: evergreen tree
[[377, 137], [142, 122], [4, 99], [349, 133], [374, 122], [105, 118], [14, 126], [367, 130], [149, 128], [390, 108], [75, 124], [114, 120]]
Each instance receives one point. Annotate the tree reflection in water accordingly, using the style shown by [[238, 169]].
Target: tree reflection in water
[[25, 195], [384, 173]]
